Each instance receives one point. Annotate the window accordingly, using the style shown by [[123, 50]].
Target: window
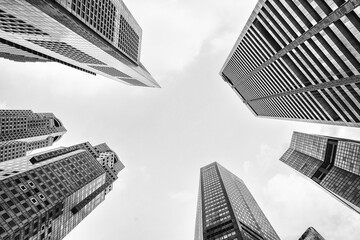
[[33, 200], [22, 187], [31, 184], [41, 197]]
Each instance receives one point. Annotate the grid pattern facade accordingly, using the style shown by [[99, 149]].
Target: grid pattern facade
[[24, 131], [311, 234], [312, 145], [111, 71], [12, 149], [67, 51], [227, 210], [337, 171], [37, 192], [129, 40], [100, 15], [92, 36], [251, 218], [299, 60], [345, 186], [347, 157], [18, 55], [15, 52], [68, 221], [111, 20], [301, 162], [37, 199], [11, 24], [217, 221], [199, 218]]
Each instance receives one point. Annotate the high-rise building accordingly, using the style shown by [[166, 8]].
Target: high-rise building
[[311, 234], [45, 195], [227, 210], [299, 60], [97, 37], [332, 163], [22, 131]]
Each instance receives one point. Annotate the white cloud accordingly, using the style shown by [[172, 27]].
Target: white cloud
[[221, 42], [304, 204], [144, 172], [265, 164], [143, 169], [182, 196], [74, 82], [124, 179], [180, 28], [266, 156], [293, 203], [341, 132], [3, 105]]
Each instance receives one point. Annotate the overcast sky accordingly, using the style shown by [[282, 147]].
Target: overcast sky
[[163, 136]]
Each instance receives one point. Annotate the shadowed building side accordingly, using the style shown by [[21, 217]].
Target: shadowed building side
[[22, 131], [227, 210], [46, 195], [299, 60], [331, 163], [97, 37]]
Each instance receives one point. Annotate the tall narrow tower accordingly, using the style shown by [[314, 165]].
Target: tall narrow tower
[[299, 60], [45, 195], [22, 131], [227, 210], [332, 163], [97, 37]]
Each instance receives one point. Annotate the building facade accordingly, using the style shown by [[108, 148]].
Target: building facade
[[227, 210], [97, 37], [45, 195], [299, 60], [332, 163], [22, 131], [311, 234]]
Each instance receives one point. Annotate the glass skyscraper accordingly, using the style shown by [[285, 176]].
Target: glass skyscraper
[[97, 37], [22, 131], [45, 195], [332, 163], [227, 210], [299, 60], [311, 234]]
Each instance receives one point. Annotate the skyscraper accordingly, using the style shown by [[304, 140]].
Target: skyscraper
[[227, 210], [299, 60], [332, 163], [311, 234], [45, 195], [22, 131], [97, 37]]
